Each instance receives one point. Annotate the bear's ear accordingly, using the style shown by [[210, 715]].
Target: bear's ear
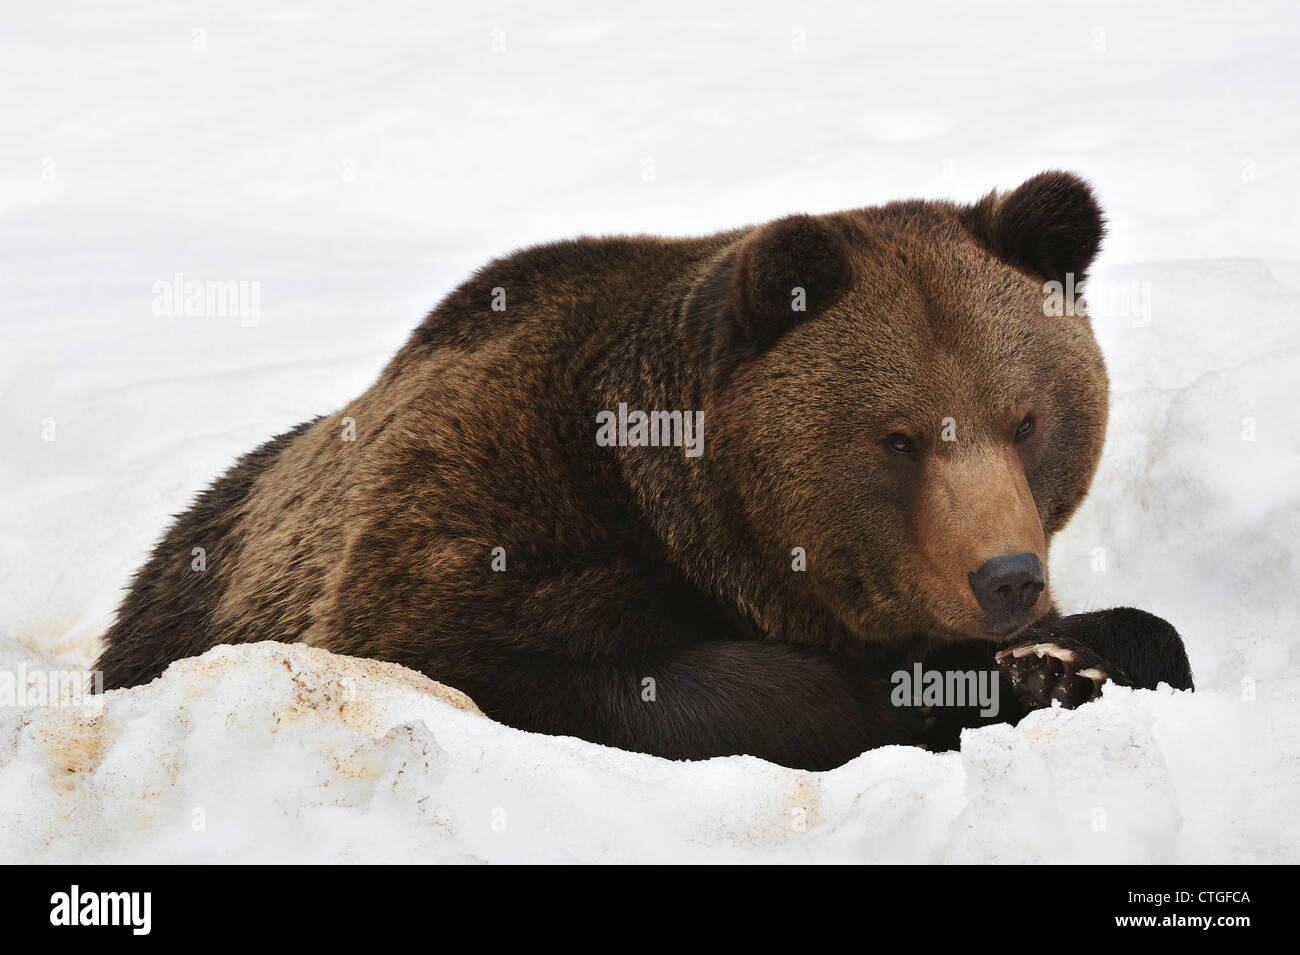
[[1049, 226], [787, 270]]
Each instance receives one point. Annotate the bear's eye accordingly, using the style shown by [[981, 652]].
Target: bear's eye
[[1026, 428], [900, 443]]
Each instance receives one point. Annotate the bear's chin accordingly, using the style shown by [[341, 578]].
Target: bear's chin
[[994, 627], [1001, 629], [981, 628]]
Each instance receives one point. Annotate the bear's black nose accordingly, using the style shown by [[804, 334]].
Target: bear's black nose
[[1008, 584]]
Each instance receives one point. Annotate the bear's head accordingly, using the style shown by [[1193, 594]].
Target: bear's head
[[894, 397]]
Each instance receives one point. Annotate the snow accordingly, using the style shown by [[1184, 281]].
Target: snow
[[357, 162]]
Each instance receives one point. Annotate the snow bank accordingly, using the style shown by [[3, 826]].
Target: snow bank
[[357, 163], [274, 752]]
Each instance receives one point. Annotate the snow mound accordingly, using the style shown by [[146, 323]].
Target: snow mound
[[273, 752]]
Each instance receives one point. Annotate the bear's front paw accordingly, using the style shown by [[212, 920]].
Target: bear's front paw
[[1047, 667]]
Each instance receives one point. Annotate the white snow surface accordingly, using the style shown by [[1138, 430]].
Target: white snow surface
[[357, 161]]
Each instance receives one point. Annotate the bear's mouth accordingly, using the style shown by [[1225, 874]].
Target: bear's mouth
[[1006, 625], [996, 626]]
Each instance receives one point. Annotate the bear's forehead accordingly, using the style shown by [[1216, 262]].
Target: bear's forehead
[[910, 250], [941, 324], [947, 296]]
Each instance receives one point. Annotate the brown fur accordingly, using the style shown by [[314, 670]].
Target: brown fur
[[626, 563]]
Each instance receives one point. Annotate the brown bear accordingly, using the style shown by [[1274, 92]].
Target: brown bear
[[700, 496]]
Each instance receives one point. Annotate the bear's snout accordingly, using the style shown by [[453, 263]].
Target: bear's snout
[[983, 573], [1008, 585]]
